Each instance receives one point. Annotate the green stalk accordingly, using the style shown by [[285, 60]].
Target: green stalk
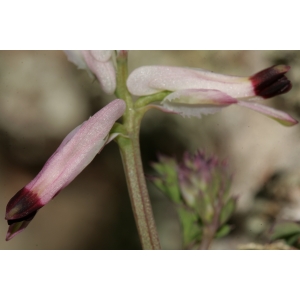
[[209, 230], [145, 100], [131, 157], [141, 205]]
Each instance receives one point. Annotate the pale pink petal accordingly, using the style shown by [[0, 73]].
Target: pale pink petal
[[196, 102], [278, 115], [68, 137], [75, 152], [148, 80], [153, 79], [104, 70], [102, 55], [106, 75]]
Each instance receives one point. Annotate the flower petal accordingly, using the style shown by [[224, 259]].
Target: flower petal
[[102, 55], [99, 62], [75, 152], [152, 79], [278, 115], [196, 102], [75, 56], [102, 68]]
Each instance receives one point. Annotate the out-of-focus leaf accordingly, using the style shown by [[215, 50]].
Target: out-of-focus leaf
[[293, 240], [159, 184], [167, 180], [227, 210], [191, 229], [223, 231], [284, 230], [205, 209], [200, 188]]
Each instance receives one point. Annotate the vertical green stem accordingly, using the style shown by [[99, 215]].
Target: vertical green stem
[[208, 236], [209, 230], [131, 156], [130, 151]]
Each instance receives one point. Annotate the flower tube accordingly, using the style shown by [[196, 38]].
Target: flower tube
[[197, 91], [76, 151]]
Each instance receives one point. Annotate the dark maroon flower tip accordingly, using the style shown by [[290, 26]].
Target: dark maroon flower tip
[[21, 205], [271, 82], [17, 226], [27, 218]]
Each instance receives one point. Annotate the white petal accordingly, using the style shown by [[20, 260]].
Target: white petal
[[76, 151], [278, 115], [106, 75], [197, 102], [105, 71], [152, 79], [102, 55]]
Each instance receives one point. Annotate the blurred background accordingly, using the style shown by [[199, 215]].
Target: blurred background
[[43, 97]]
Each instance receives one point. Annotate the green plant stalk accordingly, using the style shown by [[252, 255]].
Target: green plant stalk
[[141, 205], [209, 230], [131, 157], [185, 226], [145, 100]]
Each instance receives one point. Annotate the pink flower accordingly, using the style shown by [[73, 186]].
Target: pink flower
[[99, 62], [75, 152], [196, 92]]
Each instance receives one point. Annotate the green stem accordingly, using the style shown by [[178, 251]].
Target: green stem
[[209, 230], [208, 236], [131, 156], [130, 151], [145, 100]]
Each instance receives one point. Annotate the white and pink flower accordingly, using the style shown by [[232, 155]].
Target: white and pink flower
[[75, 152], [197, 92]]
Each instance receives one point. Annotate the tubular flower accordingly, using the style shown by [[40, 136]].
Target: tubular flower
[[75, 152], [99, 62], [196, 92]]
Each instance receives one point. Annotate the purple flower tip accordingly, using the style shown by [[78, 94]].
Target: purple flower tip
[[22, 204], [271, 82]]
